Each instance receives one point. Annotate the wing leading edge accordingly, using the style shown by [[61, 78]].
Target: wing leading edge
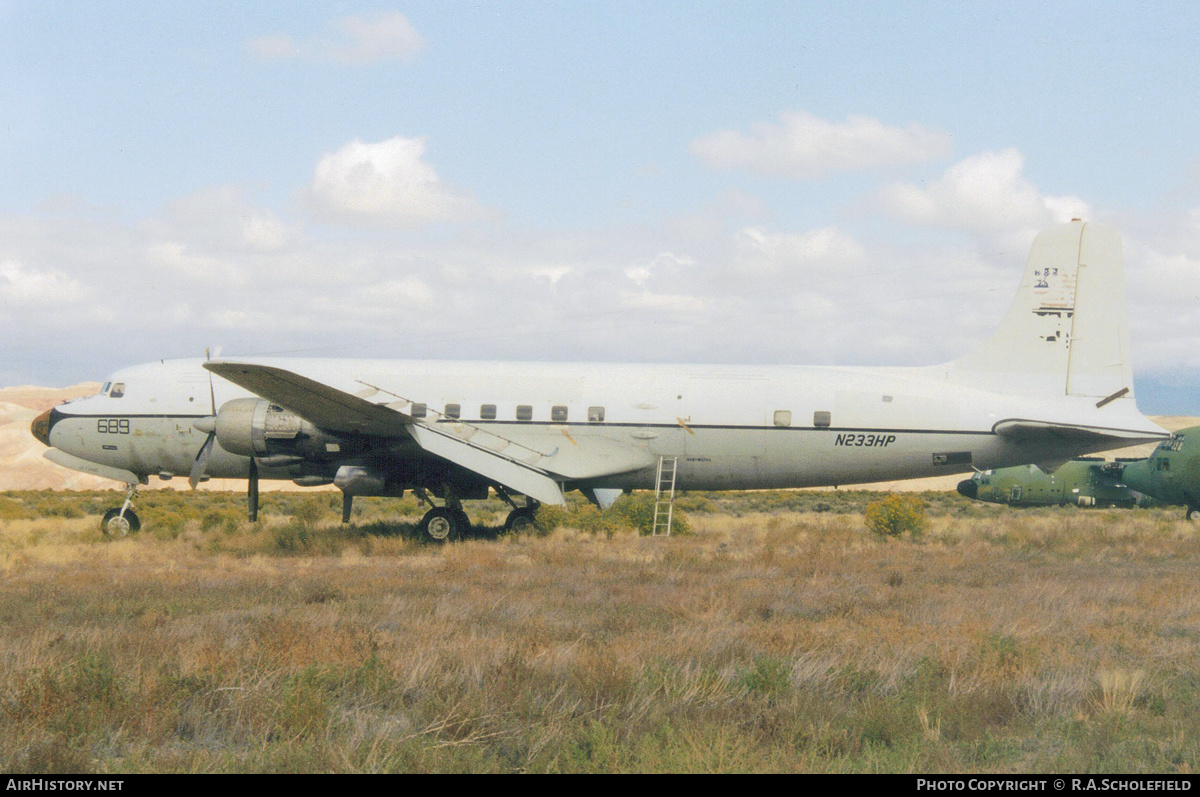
[[316, 402]]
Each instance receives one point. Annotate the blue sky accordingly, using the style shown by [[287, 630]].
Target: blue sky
[[740, 182]]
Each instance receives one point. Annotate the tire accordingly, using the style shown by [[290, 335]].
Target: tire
[[441, 525], [1193, 514], [464, 522], [114, 525], [521, 521]]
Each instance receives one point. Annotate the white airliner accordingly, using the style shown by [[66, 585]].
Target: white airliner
[[1052, 383]]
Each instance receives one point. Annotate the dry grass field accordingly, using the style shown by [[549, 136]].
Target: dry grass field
[[778, 634]]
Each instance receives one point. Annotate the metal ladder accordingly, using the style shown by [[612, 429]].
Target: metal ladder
[[664, 496]]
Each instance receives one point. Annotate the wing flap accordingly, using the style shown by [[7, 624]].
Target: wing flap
[[558, 450], [510, 473]]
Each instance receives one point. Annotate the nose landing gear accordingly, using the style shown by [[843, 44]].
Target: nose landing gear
[[121, 521]]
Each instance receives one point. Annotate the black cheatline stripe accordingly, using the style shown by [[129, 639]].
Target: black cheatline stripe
[[772, 428], [130, 415]]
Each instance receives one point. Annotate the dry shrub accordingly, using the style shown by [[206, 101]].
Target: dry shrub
[[1119, 690], [897, 515]]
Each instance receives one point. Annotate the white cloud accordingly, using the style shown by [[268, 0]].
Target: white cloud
[[354, 40], [222, 218], [21, 287], [719, 291], [984, 194], [665, 267], [1162, 259], [805, 147], [407, 291], [763, 252], [386, 184], [177, 259], [667, 302]]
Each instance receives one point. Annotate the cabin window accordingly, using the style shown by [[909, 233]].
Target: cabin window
[[118, 390], [453, 411], [558, 413], [1164, 464], [524, 412], [822, 419], [487, 412], [595, 415], [418, 411], [783, 417]]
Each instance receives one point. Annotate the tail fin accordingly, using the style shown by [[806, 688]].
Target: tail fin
[[1067, 333]]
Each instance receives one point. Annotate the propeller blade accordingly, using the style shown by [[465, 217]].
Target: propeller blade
[[201, 463], [252, 491], [212, 397]]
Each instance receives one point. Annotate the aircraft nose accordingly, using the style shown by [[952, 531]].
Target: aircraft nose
[[41, 426], [969, 488]]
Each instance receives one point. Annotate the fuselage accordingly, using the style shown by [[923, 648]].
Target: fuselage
[[1172, 473], [730, 427], [1086, 482]]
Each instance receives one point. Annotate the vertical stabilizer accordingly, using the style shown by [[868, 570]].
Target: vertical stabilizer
[[1066, 333]]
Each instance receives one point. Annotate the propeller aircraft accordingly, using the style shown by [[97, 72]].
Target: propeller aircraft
[[1082, 482], [1053, 382]]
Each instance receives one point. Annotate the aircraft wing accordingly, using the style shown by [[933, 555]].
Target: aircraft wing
[[531, 462]]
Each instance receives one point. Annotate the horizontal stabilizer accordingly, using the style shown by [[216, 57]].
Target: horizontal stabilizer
[[1047, 430], [514, 475], [324, 406]]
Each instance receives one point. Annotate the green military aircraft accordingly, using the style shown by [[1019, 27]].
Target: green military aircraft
[[1088, 481], [1172, 473]]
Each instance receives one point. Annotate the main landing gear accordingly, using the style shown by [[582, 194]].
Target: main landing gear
[[1193, 514], [522, 519], [442, 524], [121, 521]]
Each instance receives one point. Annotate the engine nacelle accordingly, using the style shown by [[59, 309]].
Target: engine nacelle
[[365, 480], [253, 427]]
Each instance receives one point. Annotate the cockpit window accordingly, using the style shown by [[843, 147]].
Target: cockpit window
[[104, 390], [118, 390]]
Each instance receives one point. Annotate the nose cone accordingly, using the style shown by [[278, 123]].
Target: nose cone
[[969, 488], [41, 426], [1137, 476]]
